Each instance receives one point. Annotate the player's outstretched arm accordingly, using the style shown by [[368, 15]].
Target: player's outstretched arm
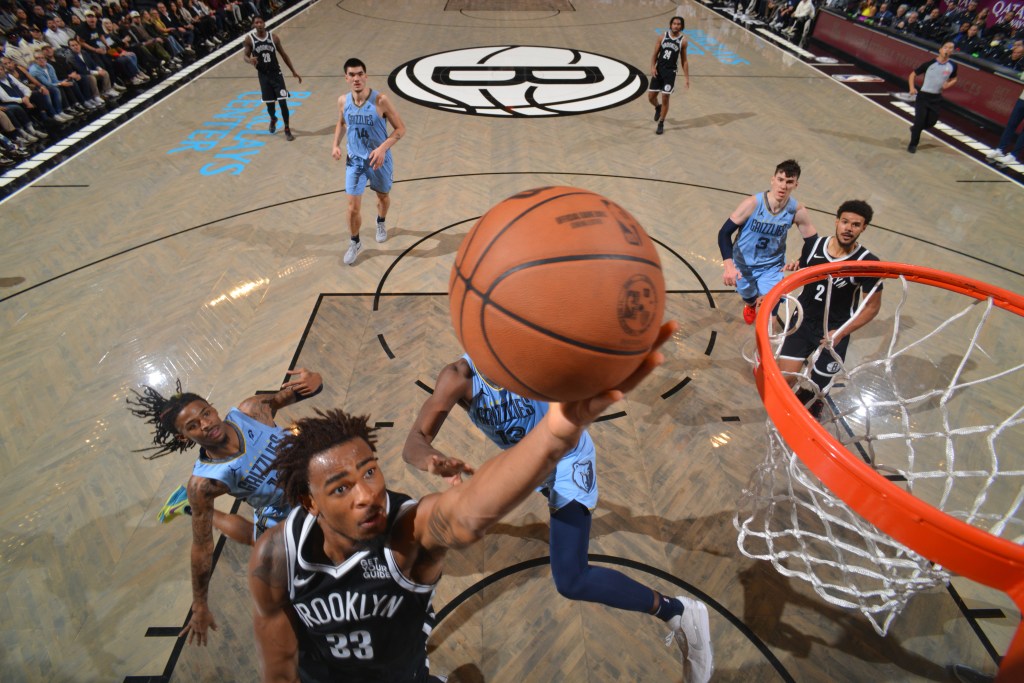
[[461, 515], [201, 493], [264, 407], [454, 384], [276, 643]]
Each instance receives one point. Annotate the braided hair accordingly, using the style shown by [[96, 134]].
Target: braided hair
[[311, 436], [161, 413]]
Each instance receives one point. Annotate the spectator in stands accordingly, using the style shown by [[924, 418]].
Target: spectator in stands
[[40, 98], [80, 90], [1015, 60], [182, 32], [155, 27], [958, 35], [974, 44], [16, 48], [884, 16], [154, 44], [968, 13], [867, 10], [802, 16], [16, 103], [38, 18], [908, 25], [90, 70], [54, 88]]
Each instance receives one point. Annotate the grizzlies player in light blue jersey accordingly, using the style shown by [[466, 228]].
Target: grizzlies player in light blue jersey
[[669, 48], [363, 114], [571, 490], [234, 458], [753, 262]]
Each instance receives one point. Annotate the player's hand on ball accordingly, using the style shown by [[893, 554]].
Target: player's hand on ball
[[567, 419]]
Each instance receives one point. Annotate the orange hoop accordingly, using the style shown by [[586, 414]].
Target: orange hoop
[[956, 545]]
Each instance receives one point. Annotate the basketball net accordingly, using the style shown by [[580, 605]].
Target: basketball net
[[923, 419]]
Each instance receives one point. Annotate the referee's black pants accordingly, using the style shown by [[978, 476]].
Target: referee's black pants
[[926, 114]]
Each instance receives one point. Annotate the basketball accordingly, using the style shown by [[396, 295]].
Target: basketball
[[557, 294]]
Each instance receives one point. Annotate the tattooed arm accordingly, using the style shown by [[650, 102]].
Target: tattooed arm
[[461, 515], [275, 636], [201, 492]]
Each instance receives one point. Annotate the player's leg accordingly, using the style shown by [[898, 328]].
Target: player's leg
[[285, 119], [653, 91], [380, 182], [355, 184], [746, 287], [663, 111], [828, 364], [576, 579], [272, 113], [921, 109]]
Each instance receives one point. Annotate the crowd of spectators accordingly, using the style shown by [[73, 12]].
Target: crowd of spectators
[[62, 62], [788, 18], [965, 26]]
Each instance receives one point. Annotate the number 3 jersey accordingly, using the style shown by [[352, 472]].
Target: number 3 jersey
[[762, 239], [362, 620]]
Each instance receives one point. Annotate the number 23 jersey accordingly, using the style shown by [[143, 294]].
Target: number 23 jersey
[[361, 620]]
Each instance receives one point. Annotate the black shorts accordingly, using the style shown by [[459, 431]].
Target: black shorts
[[805, 339], [664, 81], [272, 86]]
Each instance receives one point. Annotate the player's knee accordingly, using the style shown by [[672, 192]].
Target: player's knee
[[569, 584]]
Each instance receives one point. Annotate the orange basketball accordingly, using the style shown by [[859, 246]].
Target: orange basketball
[[557, 294]]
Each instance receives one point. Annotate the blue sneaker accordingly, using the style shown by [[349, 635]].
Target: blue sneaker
[[176, 505]]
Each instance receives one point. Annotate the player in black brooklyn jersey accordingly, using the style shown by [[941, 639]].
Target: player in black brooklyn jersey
[[261, 50], [668, 49], [342, 588], [840, 318]]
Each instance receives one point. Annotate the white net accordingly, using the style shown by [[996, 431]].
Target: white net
[[935, 405]]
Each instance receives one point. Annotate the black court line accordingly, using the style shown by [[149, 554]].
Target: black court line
[[730, 418], [383, 425], [676, 183], [384, 345], [424, 387], [611, 416], [983, 181], [973, 621], [671, 392], [736, 623]]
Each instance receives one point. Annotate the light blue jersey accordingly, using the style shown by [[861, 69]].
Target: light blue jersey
[[505, 418], [248, 475], [762, 239], [366, 129]]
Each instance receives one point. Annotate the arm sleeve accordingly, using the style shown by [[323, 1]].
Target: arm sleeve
[[805, 253], [725, 238], [924, 67]]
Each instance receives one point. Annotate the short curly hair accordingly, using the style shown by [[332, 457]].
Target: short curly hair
[[311, 436]]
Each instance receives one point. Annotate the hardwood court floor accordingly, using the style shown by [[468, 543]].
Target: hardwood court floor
[[127, 265]]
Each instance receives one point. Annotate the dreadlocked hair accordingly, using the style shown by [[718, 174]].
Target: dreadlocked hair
[[161, 413], [311, 436]]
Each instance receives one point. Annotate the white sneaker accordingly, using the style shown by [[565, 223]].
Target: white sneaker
[[991, 156], [353, 250], [1006, 159], [692, 633], [382, 232]]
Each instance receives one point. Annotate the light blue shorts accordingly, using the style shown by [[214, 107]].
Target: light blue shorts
[[574, 478], [756, 282], [359, 174], [267, 517]]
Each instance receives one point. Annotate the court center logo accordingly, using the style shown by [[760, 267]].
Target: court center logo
[[516, 81]]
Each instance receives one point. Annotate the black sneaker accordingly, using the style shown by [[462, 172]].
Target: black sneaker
[[288, 134], [661, 128], [657, 112], [273, 126], [912, 148]]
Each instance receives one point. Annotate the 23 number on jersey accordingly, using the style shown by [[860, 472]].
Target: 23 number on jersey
[[356, 644]]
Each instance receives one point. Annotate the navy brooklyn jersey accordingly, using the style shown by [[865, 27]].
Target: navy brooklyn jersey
[[361, 620], [846, 291]]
